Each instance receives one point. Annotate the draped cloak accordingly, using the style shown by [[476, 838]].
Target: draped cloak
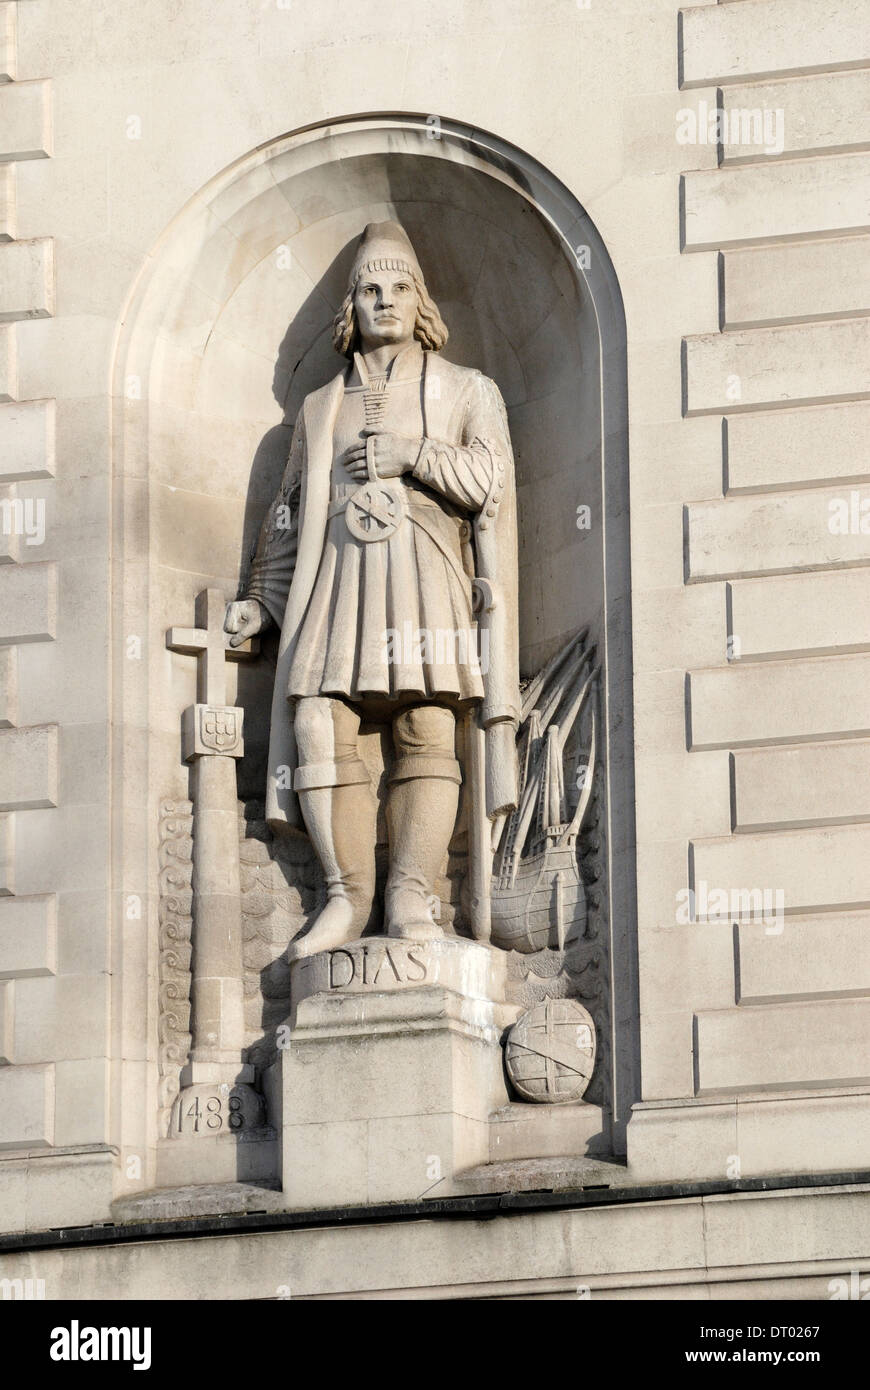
[[465, 432]]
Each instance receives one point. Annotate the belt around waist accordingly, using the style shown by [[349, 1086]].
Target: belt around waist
[[414, 497]]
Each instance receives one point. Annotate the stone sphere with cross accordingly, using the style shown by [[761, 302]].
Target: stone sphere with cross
[[550, 1052]]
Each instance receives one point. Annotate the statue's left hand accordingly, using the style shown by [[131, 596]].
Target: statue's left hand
[[245, 618], [394, 455]]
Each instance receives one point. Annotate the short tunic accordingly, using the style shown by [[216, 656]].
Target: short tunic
[[393, 617]]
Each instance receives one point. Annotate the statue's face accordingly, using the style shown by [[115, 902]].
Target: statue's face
[[386, 308]]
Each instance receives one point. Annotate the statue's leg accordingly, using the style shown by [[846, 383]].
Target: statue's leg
[[421, 815], [340, 813]]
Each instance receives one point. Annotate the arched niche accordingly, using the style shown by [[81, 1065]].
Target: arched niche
[[228, 327]]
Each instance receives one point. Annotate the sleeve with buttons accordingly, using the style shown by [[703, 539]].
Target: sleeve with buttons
[[470, 474]]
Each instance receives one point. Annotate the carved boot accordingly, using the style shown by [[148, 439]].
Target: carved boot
[[337, 819], [421, 814], [340, 814]]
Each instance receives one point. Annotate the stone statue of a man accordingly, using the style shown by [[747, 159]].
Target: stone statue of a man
[[399, 493]]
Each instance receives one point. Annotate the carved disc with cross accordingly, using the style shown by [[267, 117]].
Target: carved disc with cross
[[550, 1052], [374, 512]]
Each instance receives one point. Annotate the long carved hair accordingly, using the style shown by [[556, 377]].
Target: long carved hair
[[430, 329]]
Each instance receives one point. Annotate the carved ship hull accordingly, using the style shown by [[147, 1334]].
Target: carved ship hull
[[545, 906], [538, 901]]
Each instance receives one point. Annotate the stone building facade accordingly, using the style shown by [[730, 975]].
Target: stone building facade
[[648, 224]]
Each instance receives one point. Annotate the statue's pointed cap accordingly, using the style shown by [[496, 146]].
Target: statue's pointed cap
[[384, 246]]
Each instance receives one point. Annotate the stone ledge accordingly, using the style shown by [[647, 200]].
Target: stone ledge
[[678, 1242], [524, 1130], [27, 440], [211, 1199], [771, 1135], [541, 1175], [28, 279], [26, 120], [758, 38], [8, 45], [747, 205]]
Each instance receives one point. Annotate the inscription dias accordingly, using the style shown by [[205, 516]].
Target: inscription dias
[[375, 964], [383, 965]]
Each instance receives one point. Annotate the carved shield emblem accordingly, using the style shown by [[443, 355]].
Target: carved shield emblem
[[550, 1052], [219, 729]]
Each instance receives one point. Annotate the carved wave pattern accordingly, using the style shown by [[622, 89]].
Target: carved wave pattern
[[174, 942], [282, 888]]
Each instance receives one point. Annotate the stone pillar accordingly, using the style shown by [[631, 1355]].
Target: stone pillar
[[217, 1099], [217, 1000], [392, 1070]]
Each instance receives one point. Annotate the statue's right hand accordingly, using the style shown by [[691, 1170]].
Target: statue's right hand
[[354, 461], [245, 618]]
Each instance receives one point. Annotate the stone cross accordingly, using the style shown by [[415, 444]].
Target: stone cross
[[212, 1099], [211, 726]]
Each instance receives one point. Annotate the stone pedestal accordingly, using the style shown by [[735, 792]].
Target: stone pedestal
[[523, 1131], [393, 1068]]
